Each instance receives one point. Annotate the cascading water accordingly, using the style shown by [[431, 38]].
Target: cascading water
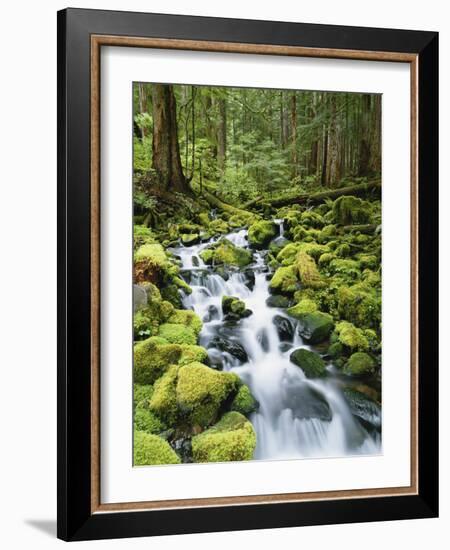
[[297, 417]]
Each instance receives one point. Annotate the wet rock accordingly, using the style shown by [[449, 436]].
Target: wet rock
[[305, 402], [278, 301], [263, 339], [139, 297], [315, 327], [230, 346], [195, 261], [249, 279], [215, 359], [284, 347], [367, 411], [285, 328], [183, 448], [212, 314], [190, 239], [311, 363]]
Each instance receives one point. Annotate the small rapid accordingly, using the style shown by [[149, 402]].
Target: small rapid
[[297, 417]]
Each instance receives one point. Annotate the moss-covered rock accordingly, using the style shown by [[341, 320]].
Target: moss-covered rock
[[152, 264], [343, 250], [201, 391], [150, 449], [285, 280], [360, 304], [164, 398], [311, 363], [177, 334], [366, 410], [225, 252], [142, 235], [351, 336], [189, 239], [309, 218], [219, 226], [244, 402], [307, 270], [152, 357], [277, 300], [359, 364], [231, 304], [302, 308], [326, 258], [188, 318], [146, 421], [348, 210], [142, 394], [316, 327], [261, 233], [368, 261], [346, 268], [191, 354], [231, 439]]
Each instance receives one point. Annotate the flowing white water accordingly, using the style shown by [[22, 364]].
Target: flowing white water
[[297, 417]]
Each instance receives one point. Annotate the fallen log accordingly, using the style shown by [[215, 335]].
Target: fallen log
[[306, 198], [225, 207], [365, 228]]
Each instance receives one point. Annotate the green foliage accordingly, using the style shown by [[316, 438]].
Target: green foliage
[[351, 337], [177, 334], [359, 364], [261, 233]]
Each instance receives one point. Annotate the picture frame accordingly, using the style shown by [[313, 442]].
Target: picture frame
[[81, 36]]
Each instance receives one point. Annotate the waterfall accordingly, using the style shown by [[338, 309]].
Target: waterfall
[[297, 417]]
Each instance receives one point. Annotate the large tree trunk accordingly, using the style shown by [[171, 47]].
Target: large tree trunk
[[166, 151], [294, 135], [333, 175]]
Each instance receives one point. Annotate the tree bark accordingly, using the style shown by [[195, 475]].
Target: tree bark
[[165, 148], [294, 135], [222, 134], [333, 175]]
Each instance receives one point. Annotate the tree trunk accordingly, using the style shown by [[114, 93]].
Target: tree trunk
[[222, 134], [165, 149], [333, 175], [142, 106], [294, 135]]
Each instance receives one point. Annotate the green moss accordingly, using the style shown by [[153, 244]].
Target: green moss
[[326, 258], [311, 219], [146, 421], [164, 399], [152, 450], [359, 364], [203, 219], [368, 261], [287, 254], [171, 294], [188, 239], [191, 354], [343, 250], [303, 307], [244, 402], [336, 350], [219, 226], [152, 253], [177, 334], [152, 358], [351, 337], [261, 233], [182, 285], [231, 304], [285, 280], [327, 232], [316, 327], [226, 253], [308, 272], [142, 394], [241, 220], [361, 305], [311, 363], [231, 439], [187, 318], [201, 392], [349, 210], [142, 235], [349, 269]]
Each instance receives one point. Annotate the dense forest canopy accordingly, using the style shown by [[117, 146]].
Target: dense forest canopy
[[245, 142]]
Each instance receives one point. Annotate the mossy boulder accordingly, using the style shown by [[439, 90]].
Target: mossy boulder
[[311, 363], [261, 233], [189, 239], [316, 327], [233, 305], [219, 226], [360, 304], [233, 438], [188, 318], [343, 250], [150, 449], [146, 421], [348, 269], [171, 293], [348, 210], [190, 354], [307, 270], [177, 334], [148, 318], [277, 300], [225, 252], [142, 394], [152, 357], [326, 258], [285, 280], [152, 264], [244, 402], [309, 218], [351, 337], [303, 307], [359, 364], [201, 391], [164, 398]]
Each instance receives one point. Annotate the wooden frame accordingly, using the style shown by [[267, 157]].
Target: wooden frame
[[81, 35]]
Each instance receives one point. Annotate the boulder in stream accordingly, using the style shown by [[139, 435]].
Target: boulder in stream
[[366, 410], [311, 363], [285, 328], [230, 346], [315, 327]]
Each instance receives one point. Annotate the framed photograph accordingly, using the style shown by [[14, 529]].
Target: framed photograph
[[247, 274]]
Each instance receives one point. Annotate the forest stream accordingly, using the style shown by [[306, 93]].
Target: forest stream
[[296, 416]]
